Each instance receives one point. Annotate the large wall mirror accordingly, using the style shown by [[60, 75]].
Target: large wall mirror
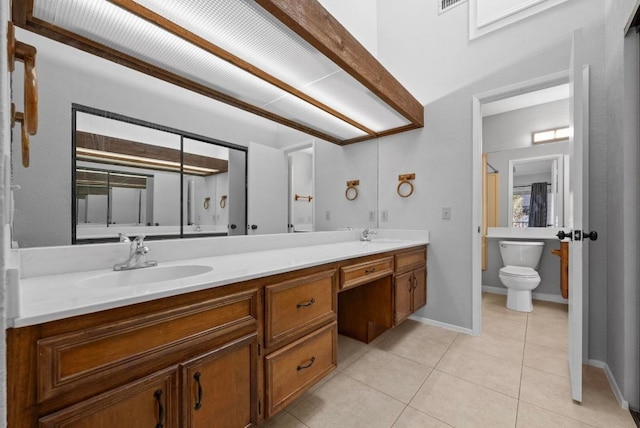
[[139, 178], [536, 192]]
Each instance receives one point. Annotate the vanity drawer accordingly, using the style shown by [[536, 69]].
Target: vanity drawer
[[290, 371], [294, 307], [361, 273], [413, 259], [99, 358]]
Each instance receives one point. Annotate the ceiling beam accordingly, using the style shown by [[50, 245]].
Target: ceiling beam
[[318, 27]]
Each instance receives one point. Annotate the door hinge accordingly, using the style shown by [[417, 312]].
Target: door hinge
[[259, 350]]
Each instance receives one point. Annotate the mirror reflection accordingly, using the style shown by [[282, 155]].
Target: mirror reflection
[[536, 189], [138, 178]]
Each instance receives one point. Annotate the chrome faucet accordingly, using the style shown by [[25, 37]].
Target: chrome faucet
[[137, 254], [366, 234]]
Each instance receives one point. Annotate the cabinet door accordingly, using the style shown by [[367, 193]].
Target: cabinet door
[[420, 290], [403, 291], [220, 387], [149, 402]]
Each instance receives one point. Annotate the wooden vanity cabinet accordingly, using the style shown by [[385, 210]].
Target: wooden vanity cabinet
[[300, 333], [228, 356], [410, 283], [148, 402], [135, 366]]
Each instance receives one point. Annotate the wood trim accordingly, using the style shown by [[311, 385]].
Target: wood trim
[[333, 40], [133, 148], [318, 27], [485, 202], [196, 40], [74, 40]]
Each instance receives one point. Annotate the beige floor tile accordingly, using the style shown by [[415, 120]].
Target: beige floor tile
[[412, 418], [547, 359], [464, 404], [504, 325], [349, 350], [395, 376], [491, 372], [344, 402], [548, 331], [436, 333], [542, 308], [553, 392], [416, 345], [507, 314], [284, 420], [530, 416], [501, 347]]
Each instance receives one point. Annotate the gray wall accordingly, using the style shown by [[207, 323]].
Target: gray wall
[[621, 240]]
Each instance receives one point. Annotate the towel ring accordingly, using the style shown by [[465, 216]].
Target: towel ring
[[352, 191], [205, 204], [404, 179], [223, 201]]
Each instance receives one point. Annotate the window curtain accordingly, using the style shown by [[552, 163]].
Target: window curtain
[[538, 205]]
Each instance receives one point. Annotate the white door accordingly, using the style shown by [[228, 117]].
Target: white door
[[578, 214], [267, 190]]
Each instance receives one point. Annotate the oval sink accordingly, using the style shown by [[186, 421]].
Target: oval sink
[[132, 278]]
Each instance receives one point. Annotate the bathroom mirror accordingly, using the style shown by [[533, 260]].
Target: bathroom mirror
[[536, 192], [42, 193], [133, 177]]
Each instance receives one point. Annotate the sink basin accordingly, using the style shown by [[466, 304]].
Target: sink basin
[[131, 278]]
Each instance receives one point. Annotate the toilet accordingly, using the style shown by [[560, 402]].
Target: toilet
[[519, 275]]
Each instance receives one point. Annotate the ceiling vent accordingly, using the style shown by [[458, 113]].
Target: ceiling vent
[[445, 5]]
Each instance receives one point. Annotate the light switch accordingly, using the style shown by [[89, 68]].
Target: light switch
[[372, 216], [446, 213], [327, 215], [385, 215]]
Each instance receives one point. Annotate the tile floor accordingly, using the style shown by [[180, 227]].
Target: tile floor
[[513, 375]]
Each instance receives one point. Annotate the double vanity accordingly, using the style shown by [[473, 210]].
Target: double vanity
[[232, 335]]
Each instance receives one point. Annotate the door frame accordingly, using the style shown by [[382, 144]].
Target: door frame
[[508, 91], [311, 144]]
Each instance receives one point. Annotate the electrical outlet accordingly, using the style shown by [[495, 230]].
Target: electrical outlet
[[327, 215], [446, 213], [385, 215], [372, 216]]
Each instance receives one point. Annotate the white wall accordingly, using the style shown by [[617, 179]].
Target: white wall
[[621, 297], [362, 22]]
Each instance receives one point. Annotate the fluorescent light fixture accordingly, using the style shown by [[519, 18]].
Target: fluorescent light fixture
[[551, 135], [242, 52], [122, 159]]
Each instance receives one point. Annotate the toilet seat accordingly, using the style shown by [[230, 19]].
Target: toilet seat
[[519, 272]]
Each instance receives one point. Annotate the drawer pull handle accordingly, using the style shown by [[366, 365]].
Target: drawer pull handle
[[309, 303], [198, 405], [306, 366], [158, 396], [368, 271]]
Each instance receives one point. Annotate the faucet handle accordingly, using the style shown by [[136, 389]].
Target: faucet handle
[[123, 237], [139, 240]]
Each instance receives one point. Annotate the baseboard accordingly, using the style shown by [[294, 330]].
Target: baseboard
[[434, 323], [612, 382], [555, 298]]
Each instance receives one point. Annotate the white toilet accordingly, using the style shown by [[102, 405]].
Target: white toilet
[[519, 273]]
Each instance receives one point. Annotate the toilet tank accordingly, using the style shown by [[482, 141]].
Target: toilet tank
[[521, 253]]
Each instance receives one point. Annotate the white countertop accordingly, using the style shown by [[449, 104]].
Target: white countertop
[[56, 296]]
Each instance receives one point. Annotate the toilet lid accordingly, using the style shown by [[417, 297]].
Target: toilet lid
[[519, 271]]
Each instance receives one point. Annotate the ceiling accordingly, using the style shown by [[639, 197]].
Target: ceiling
[[530, 99], [287, 60]]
